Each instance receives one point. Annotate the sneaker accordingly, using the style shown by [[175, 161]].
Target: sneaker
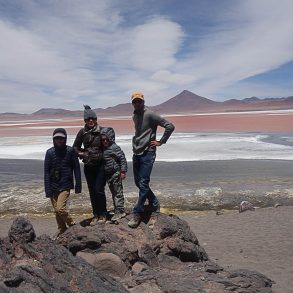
[[135, 221], [102, 219], [118, 215], [94, 221]]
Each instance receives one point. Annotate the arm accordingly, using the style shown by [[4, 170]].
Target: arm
[[122, 160], [76, 171], [78, 143], [169, 128], [47, 170]]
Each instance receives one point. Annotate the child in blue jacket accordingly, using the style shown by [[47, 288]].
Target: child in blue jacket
[[61, 163]]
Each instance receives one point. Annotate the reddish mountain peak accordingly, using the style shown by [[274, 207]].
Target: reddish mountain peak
[[186, 102], [188, 97]]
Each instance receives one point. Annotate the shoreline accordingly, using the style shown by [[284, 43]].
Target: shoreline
[[180, 186]]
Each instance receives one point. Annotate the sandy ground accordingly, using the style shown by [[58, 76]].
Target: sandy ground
[[274, 121], [260, 240]]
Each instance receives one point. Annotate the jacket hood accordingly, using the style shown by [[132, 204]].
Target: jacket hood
[[60, 131], [109, 132]]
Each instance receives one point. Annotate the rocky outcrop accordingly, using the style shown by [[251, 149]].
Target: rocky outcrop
[[42, 265], [161, 255]]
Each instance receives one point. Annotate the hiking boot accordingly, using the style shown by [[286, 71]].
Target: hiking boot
[[135, 221], [118, 215], [58, 234], [94, 221], [152, 209], [102, 219]]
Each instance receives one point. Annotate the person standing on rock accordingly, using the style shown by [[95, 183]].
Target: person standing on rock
[[144, 144], [61, 163], [91, 154], [115, 166]]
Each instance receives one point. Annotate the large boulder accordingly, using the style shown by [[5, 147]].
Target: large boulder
[[159, 234], [29, 264], [161, 255]]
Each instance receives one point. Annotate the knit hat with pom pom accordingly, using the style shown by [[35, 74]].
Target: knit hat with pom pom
[[88, 113]]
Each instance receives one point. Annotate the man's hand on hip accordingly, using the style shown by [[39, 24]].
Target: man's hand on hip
[[155, 143]]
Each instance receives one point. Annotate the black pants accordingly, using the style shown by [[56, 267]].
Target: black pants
[[96, 181]]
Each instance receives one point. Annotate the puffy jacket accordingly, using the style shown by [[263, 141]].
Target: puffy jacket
[[113, 157], [59, 166], [91, 141]]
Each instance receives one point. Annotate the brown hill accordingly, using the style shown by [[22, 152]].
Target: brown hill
[[184, 103]]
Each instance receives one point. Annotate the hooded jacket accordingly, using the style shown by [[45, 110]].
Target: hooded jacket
[[59, 166], [113, 157]]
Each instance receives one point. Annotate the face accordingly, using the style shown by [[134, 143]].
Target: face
[[91, 122], [138, 104], [59, 141], [105, 141]]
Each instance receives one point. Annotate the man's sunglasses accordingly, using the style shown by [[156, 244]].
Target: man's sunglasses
[[137, 101], [91, 118]]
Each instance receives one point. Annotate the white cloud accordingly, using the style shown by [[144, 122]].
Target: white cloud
[[153, 45], [65, 53], [253, 39], [169, 77]]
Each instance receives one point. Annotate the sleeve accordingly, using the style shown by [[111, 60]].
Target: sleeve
[[47, 170], [76, 171], [121, 156], [78, 141], [169, 127]]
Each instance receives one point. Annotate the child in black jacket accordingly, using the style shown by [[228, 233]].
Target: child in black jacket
[[60, 163]]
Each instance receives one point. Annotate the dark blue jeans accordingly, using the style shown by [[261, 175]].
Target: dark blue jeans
[[96, 181], [142, 169]]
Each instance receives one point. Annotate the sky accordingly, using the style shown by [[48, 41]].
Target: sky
[[66, 53]]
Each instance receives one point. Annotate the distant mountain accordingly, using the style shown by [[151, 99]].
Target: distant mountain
[[120, 110], [51, 111], [184, 103], [251, 100]]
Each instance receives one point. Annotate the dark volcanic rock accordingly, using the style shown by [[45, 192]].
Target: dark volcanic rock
[[161, 255], [21, 231], [162, 234], [45, 266]]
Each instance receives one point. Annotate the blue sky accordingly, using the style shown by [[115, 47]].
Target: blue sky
[[65, 53]]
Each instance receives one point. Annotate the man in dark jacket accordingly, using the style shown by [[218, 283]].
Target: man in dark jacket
[[60, 163], [144, 144], [115, 166], [91, 154]]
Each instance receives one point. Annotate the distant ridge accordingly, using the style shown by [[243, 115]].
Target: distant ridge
[[52, 111], [185, 102]]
